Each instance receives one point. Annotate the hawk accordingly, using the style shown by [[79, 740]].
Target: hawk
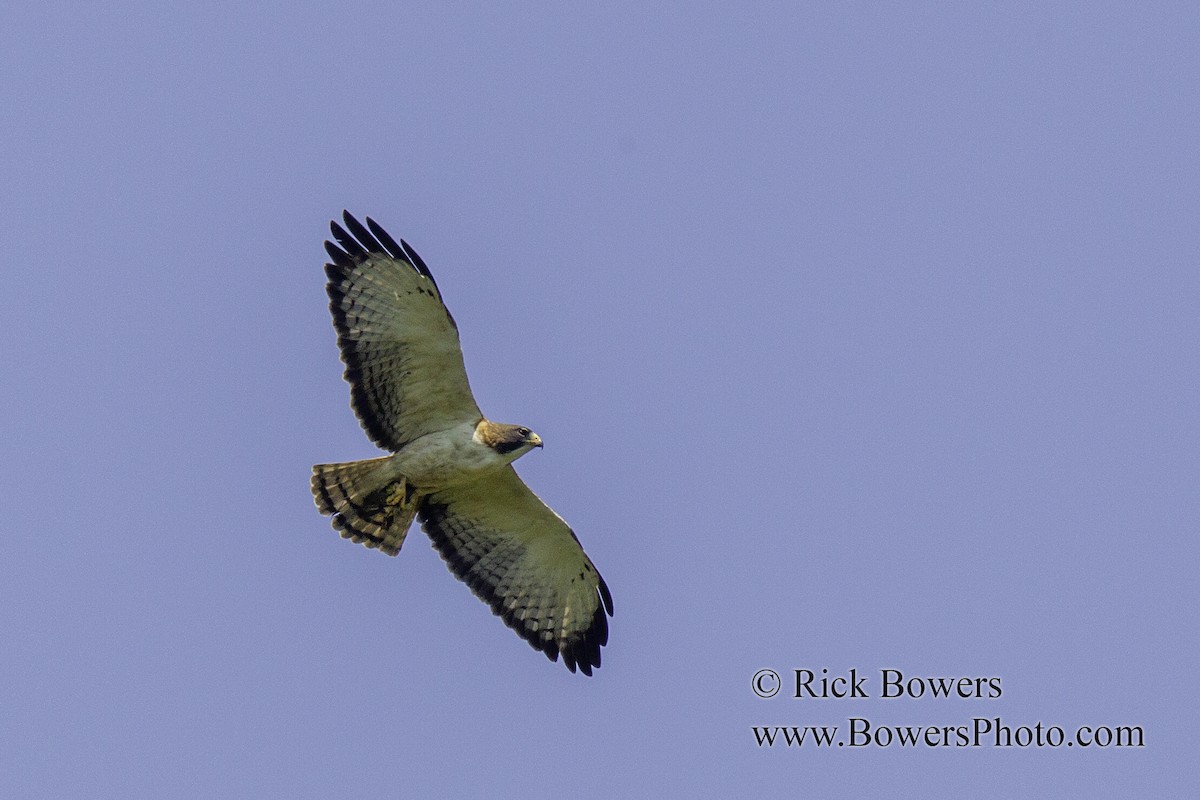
[[450, 467]]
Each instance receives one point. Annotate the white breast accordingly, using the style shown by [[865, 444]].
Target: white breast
[[447, 457]]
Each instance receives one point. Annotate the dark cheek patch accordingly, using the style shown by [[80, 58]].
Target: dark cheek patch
[[507, 447]]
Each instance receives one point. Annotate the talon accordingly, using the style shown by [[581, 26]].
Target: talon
[[398, 493]]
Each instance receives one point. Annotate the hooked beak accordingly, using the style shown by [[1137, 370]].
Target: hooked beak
[[534, 440]]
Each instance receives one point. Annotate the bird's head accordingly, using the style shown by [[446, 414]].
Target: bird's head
[[512, 441]]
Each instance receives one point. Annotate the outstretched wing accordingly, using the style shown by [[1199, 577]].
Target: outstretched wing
[[398, 341], [520, 558]]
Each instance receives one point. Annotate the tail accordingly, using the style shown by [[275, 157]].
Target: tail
[[365, 510]]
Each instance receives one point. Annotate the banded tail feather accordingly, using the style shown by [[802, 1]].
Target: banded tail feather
[[374, 515]]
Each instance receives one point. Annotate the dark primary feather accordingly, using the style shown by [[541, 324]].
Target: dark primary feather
[[348, 242], [338, 256], [416, 261], [363, 235], [394, 250]]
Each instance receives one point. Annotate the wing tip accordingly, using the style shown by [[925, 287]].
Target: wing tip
[[584, 652], [355, 242]]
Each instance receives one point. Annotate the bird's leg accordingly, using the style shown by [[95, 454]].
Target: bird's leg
[[398, 493]]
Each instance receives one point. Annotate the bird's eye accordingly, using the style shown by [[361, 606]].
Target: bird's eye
[[523, 431]]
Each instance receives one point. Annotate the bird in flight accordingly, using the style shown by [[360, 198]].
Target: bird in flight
[[450, 467]]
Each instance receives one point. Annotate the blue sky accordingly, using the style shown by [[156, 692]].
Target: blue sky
[[858, 338]]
